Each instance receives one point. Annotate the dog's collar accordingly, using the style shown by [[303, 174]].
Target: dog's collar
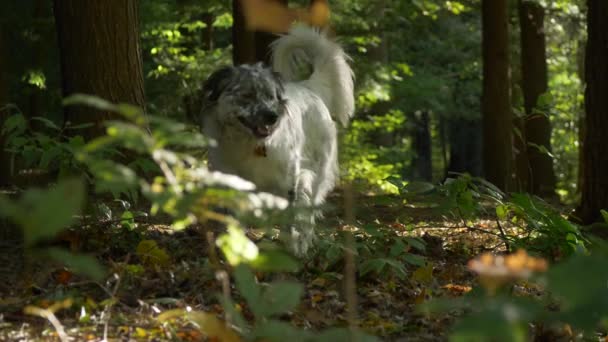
[[260, 150]]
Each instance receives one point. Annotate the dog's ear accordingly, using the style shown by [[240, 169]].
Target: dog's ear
[[217, 83]]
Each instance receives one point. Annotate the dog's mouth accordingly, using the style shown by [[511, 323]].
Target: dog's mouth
[[258, 130]]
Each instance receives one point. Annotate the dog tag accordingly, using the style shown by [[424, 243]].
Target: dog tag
[[260, 151]]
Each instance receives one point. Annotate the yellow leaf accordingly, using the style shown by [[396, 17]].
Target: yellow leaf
[[150, 254], [140, 332], [424, 274], [206, 322]]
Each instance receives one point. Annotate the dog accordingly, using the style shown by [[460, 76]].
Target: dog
[[278, 129]]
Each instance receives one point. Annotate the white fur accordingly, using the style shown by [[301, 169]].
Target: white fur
[[302, 152]]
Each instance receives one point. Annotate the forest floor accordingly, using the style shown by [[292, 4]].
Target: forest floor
[[127, 305]]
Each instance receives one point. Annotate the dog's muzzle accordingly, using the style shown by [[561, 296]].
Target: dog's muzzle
[[262, 124]]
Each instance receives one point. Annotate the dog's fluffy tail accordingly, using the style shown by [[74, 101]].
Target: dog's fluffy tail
[[331, 78]]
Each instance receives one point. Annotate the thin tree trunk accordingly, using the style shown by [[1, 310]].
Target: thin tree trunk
[[249, 46], [465, 146], [38, 54], [534, 84], [594, 149], [243, 48], [422, 146], [496, 98], [207, 35], [100, 55]]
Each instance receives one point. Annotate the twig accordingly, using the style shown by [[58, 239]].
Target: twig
[[460, 227], [106, 310], [503, 235], [224, 279], [49, 316]]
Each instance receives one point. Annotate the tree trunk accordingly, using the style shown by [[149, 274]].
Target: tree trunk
[[594, 149], [35, 107], [496, 98], [534, 84], [249, 46], [207, 35], [4, 98], [465, 146], [421, 144], [100, 55]]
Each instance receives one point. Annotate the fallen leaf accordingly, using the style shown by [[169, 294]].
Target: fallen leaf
[[424, 274], [151, 254]]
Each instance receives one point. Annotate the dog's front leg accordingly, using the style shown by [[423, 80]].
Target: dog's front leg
[[302, 230]]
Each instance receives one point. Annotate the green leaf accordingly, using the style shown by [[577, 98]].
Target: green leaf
[[604, 215], [414, 259], [230, 309], [372, 265], [112, 177], [43, 213], [127, 220], [130, 136], [275, 261], [48, 123], [581, 283], [419, 187], [83, 264], [9, 209], [236, 246], [14, 124], [416, 243], [90, 101], [397, 267], [279, 331], [397, 248], [281, 297], [247, 285], [501, 212]]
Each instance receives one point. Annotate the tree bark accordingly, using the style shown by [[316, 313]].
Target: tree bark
[[207, 34], [534, 84], [465, 146], [496, 98], [594, 149], [249, 46], [422, 146], [35, 106], [100, 55]]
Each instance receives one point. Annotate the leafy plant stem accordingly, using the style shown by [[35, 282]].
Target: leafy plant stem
[[503, 235]]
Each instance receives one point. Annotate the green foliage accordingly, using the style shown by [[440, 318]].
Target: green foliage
[[372, 165], [179, 57], [540, 227], [381, 251], [546, 230], [42, 214], [577, 287], [565, 107], [267, 302], [51, 149]]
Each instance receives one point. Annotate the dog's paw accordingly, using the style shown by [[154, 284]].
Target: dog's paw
[[302, 240]]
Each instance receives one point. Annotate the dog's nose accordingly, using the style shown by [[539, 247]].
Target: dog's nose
[[268, 117]]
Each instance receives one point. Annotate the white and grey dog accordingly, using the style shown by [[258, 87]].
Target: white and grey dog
[[278, 131]]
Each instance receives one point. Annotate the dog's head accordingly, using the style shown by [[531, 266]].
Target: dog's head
[[249, 97]]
